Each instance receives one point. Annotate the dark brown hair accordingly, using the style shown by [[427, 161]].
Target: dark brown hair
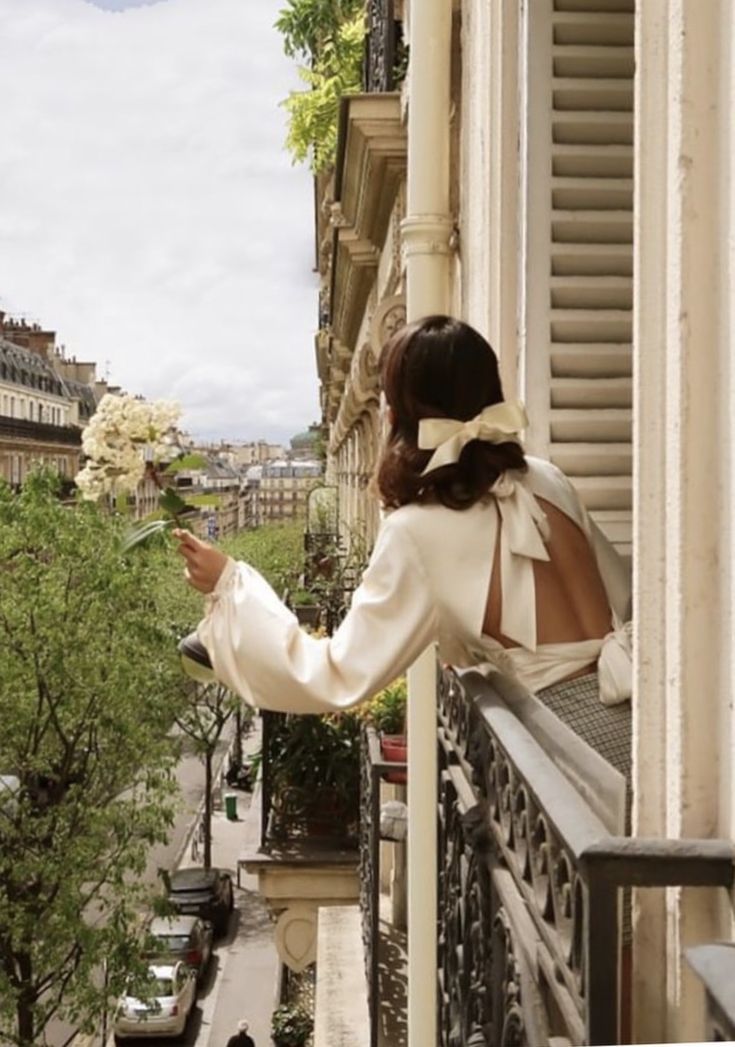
[[439, 367]]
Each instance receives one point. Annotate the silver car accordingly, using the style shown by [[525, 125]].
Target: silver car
[[185, 938], [166, 1013]]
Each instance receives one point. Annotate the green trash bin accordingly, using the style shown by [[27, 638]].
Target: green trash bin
[[231, 806]]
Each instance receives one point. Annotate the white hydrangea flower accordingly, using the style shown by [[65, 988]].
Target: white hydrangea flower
[[121, 436]]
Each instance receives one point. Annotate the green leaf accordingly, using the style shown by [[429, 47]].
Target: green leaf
[[187, 461], [142, 533], [171, 502]]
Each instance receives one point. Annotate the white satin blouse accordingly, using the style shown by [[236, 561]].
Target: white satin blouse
[[428, 580]]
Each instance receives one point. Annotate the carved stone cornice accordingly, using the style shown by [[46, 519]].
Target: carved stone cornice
[[321, 349], [371, 164]]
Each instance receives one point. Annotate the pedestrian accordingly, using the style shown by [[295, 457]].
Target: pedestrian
[[241, 1037], [484, 549]]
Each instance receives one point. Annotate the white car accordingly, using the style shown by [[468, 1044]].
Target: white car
[[167, 1012]]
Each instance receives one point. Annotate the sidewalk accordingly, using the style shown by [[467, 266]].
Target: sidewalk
[[241, 982]]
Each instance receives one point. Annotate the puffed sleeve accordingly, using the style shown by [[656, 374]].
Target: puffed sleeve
[[259, 651]]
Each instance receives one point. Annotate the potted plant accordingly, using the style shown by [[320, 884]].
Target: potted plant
[[305, 606], [386, 712], [314, 775], [291, 1026]]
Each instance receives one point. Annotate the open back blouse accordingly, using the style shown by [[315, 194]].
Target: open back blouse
[[428, 580]]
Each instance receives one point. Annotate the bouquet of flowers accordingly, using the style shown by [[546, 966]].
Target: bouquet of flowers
[[127, 439]]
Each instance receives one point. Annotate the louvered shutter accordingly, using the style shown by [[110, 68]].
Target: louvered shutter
[[591, 254]]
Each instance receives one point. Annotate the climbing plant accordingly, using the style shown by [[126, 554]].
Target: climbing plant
[[327, 38]]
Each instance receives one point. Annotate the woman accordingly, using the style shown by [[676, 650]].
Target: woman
[[484, 550]]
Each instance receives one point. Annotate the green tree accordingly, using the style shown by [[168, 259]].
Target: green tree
[[328, 36], [89, 688], [276, 550], [203, 720], [307, 26]]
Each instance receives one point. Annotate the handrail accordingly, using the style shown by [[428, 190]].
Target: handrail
[[532, 872], [539, 872]]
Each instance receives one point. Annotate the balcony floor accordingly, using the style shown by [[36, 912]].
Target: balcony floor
[[393, 968]]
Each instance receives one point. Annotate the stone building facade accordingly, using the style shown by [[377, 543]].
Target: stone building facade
[[588, 229], [40, 414], [284, 487]]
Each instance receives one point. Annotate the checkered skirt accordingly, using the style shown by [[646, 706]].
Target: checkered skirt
[[606, 728]]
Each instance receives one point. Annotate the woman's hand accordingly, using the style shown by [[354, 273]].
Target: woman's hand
[[204, 564]]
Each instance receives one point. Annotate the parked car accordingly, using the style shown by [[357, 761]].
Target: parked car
[[184, 938], [166, 1013], [206, 893]]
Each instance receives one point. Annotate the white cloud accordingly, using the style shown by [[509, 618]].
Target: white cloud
[[148, 211]]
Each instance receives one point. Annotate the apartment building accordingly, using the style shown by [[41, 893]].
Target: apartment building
[[284, 486]]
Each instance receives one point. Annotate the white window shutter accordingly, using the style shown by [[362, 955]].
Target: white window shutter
[[591, 255]]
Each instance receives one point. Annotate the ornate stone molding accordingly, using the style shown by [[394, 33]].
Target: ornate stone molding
[[371, 165], [387, 319], [296, 930], [361, 389]]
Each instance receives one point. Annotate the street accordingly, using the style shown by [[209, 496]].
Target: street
[[190, 778]]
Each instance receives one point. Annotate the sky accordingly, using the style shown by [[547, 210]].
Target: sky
[[149, 213]]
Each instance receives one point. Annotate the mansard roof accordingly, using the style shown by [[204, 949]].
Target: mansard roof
[[23, 367], [84, 394]]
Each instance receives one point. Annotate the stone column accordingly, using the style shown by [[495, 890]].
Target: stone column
[[684, 482]]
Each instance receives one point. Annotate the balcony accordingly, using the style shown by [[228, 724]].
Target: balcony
[[531, 877], [307, 856], [385, 52], [39, 432]]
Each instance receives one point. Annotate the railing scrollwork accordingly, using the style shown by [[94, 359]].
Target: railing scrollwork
[[531, 872], [531, 876], [384, 47]]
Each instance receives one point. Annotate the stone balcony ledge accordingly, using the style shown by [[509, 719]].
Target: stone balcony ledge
[[296, 879]]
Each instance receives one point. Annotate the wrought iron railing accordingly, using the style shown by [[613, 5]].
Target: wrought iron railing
[[22, 429], [385, 53], [326, 806], [532, 868], [531, 872]]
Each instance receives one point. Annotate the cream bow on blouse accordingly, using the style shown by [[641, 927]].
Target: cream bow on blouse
[[448, 437], [523, 533], [524, 525]]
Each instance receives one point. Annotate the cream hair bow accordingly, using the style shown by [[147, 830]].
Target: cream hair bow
[[448, 437]]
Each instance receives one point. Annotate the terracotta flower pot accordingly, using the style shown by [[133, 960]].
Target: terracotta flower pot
[[395, 747]]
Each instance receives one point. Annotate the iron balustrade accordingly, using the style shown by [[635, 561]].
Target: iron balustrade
[[384, 48], [531, 871], [309, 782], [531, 868], [22, 429]]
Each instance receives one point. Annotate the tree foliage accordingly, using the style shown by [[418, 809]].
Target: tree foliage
[[308, 25], [328, 36], [276, 550], [89, 688], [203, 720]]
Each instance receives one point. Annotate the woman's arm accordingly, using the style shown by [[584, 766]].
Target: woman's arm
[[258, 649]]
